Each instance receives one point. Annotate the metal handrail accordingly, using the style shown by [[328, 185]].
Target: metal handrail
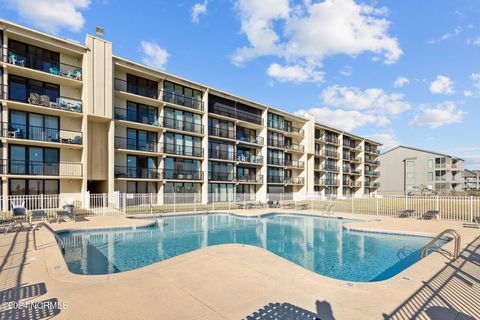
[[456, 237], [62, 243]]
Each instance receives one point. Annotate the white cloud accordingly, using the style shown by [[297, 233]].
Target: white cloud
[[467, 93], [475, 77], [294, 73], [388, 140], [372, 100], [400, 82], [343, 119], [346, 71], [52, 15], [198, 10], [442, 84], [470, 155], [305, 34], [433, 117], [153, 55]]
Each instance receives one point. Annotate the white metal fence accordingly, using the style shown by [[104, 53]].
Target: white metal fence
[[450, 208]]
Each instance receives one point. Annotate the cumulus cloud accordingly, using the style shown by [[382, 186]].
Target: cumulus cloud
[[198, 10], [400, 82], [388, 140], [467, 93], [346, 71], [442, 84], [294, 73], [475, 77], [471, 155], [52, 15], [373, 100], [347, 120], [440, 115], [153, 55], [305, 34]]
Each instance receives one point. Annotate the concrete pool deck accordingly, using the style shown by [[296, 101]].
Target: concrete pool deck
[[234, 281]]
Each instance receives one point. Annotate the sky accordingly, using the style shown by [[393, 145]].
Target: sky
[[399, 72]]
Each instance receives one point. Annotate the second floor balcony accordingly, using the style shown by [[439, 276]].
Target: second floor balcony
[[173, 174], [21, 131], [137, 145], [221, 176], [285, 179], [137, 172], [251, 178], [41, 97], [38, 168]]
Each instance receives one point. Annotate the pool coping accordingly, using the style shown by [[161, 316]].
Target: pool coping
[[61, 272]]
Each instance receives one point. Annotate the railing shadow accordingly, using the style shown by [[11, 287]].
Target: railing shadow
[[452, 293], [288, 311]]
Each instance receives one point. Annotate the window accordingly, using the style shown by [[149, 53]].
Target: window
[[183, 145], [33, 57], [245, 134], [141, 167], [220, 171], [221, 150], [141, 187], [142, 113], [184, 96], [20, 89], [276, 139], [410, 163], [33, 160], [430, 164], [221, 128], [142, 86], [182, 120], [34, 126], [182, 192], [275, 157], [178, 168], [220, 192], [275, 121], [141, 140], [430, 176], [19, 187]]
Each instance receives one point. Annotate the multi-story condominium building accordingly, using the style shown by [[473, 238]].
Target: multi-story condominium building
[[471, 180], [407, 170], [75, 118]]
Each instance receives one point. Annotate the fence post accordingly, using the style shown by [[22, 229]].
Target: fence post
[[124, 202], [471, 209], [437, 203], [174, 211], [376, 204], [86, 200]]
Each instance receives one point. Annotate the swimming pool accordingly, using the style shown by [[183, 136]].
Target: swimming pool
[[319, 244]]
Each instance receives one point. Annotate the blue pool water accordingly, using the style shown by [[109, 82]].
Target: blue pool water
[[315, 243]]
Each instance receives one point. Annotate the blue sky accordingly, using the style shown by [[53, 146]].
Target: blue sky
[[402, 72]]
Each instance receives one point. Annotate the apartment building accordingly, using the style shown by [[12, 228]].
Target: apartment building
[[76, 118], [471, 180], [407, 170]]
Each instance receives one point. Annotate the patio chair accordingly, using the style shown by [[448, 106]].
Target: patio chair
[[406, 213], [45, 100], [430, 214], [38, 215], [67, 212], [34, 98]]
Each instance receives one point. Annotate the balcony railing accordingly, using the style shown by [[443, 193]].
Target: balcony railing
[[332, 154], [373, 173], [221, 176], [138, 117], [134, 144], [21, 131], [372, 162], [285, 180], [372, 184], [138, 173], [183, 174], [285, 127], [38, 168], [294, 147], [317, 166], [41, 64], [258, 178], [331, 182], [294, 180], [276, 161], [318, 181], [330, 168], [221, 154], [221, 132], [349, 144], [347, 183], [331, 139], [275, 179], [123, 85], [182, 100], [182, 150], [250, 139], [249, 159], [39, 97], [236, 114], [372, 150], [182, 125], [294, 164], [356, 172]]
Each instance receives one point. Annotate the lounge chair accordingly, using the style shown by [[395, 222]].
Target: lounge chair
[[67, 212], [430, 214], [38, 215], [406, 213]]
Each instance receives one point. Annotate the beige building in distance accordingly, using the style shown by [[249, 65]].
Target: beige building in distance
[[76, 118]]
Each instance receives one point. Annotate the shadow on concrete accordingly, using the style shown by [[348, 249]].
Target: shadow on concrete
[[288, 311], [452, 293]]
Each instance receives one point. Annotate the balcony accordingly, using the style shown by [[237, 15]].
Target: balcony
[[250, 159], [372, 150], [333, 140], [318, 167], [331, 168], [221, 176], [39, 63], [182, 125], [134, 144], [182, 150], [21, 131], [331, 182], [356, 172], [41, 97], [182, 100], [294, 147], [350, 184], [258, 178], [285, 127], [221, 132], [294, 164], [37, 168], [346, 170], [372, 162], [332, 154], [137, 173], [294, 180], [124, 86], [182, 174], [317, 181], [372, 184], [373, 173], [221, 154], [275, 179], [276, 161], [349, 144], [285, 180], [236, 114], [137, 117], [250, 139]]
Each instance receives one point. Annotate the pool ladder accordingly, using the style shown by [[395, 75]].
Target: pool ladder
[[59, 240], [456, 250]]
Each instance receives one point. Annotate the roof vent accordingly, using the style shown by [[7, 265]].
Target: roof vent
[[99, 32]]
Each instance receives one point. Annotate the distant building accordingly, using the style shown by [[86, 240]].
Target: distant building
[[407, 170], [471, 180]]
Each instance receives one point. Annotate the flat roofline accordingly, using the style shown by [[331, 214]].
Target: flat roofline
[[68, 42], [348, 133], [426, 151]]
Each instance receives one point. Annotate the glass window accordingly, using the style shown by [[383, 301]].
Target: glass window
[[430, 164], [430, 176]]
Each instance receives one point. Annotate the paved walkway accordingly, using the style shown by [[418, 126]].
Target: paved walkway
[[234, 282]]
